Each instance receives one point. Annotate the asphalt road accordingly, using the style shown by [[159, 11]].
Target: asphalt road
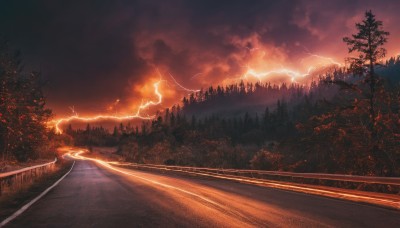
[[96, 196]]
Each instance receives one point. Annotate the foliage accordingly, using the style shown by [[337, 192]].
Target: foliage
[[23, 115], [368, 44], [304, 133], [339, 124], [266, 160]]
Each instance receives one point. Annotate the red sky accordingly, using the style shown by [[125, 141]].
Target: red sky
[[92, 53]]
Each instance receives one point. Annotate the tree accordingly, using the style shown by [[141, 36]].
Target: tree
[[368, 43], [115, 132], [9, 68], [23, 116]]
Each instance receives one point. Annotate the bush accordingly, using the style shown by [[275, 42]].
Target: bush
[[266, 160]]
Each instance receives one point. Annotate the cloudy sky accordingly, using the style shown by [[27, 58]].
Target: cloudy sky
[[93, 52]]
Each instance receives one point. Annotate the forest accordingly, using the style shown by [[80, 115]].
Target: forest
[[345, 121], [320, 128]]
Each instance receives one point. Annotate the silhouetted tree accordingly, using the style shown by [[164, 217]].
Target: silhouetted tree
[[23, 115], [368, 43]]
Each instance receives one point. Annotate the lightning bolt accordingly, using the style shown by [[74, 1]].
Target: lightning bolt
[[330, 61], [250, 72], [195, 76], [293, 74], [285, 71], [72, 108], [182, 87], [57, 123]]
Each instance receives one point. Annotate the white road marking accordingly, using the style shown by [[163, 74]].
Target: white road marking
[[26, 206]]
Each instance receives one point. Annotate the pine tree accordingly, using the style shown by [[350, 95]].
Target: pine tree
[[368, 43]]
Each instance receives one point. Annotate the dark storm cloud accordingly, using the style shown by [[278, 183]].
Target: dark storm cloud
[[92, 52], [84, 49]]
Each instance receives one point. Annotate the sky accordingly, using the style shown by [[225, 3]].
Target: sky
[[104, 56]]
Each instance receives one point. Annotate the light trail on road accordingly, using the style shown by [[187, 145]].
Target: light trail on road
[[246, 220], [391, 201], [99, 193]]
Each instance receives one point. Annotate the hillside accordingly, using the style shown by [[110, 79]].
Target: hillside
[[320, 128]]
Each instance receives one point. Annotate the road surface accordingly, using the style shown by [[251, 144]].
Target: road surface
[[96, 196]]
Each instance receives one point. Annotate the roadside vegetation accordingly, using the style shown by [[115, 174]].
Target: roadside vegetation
[[23, 115], [25, 139]]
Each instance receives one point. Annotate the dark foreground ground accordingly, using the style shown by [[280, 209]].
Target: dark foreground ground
[[95, 196]]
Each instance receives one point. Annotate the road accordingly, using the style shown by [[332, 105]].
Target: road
[[93, 195]]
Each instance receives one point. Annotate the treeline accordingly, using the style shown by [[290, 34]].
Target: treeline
[[233, 99], [303, 132], [391, 71], [23, 115], [172, 138], [92, 136], [346, 122]]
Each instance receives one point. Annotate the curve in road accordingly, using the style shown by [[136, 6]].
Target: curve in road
[[100, 195]]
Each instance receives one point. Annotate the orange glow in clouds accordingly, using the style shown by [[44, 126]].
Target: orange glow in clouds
[[275, 72], [262, 64], [144, 105]]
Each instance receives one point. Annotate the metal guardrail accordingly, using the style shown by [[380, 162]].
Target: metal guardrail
[[248, 176], [261, 174], [25, 169], [14, 180]]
